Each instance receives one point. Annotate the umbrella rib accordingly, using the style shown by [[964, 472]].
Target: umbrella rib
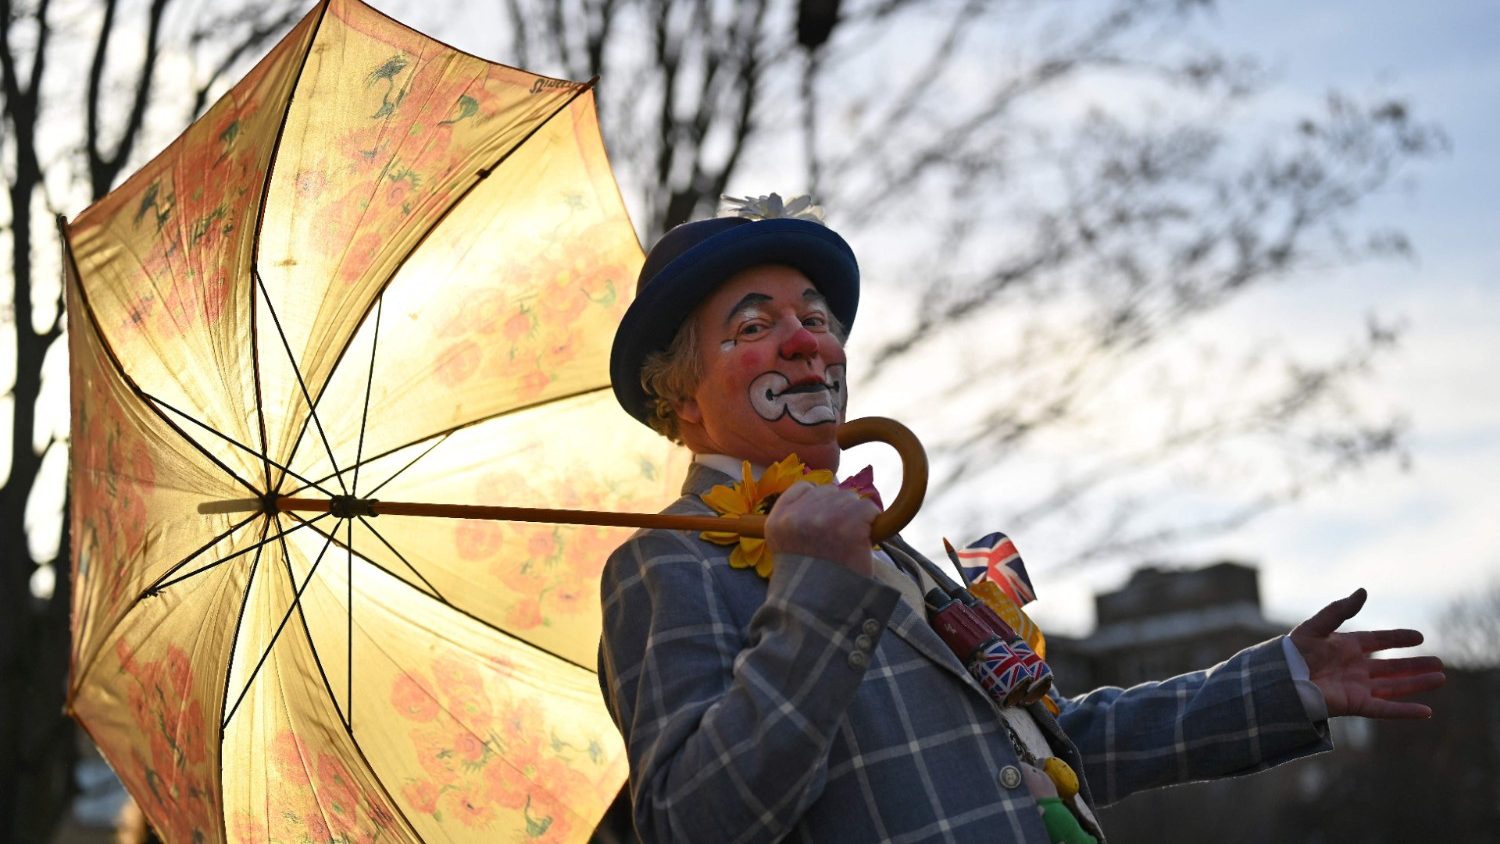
[[260, 407], [481, 420], [260, 221], [85, 632], [237, 444], [394, 804], [444, 434], [401, 557], [311, 647], [157, 587], [444, 708], [109, 351], [449, 604], [399, 472], [312, 406], [350, 546], [296, 604], [486, 624], [82, 673], [194, 555], [239, 622], [482, 174], [364, 416], [349, 583], [438, 442]]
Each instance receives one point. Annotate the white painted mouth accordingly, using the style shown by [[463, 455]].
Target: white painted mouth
[[773, 397]]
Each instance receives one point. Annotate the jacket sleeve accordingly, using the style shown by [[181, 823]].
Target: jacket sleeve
[[727, 725], [1241, 716]]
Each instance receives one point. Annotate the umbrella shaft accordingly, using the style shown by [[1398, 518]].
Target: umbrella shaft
[[744, 525]]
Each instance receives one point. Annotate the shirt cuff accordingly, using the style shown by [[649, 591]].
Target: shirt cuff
[[1307, 691]]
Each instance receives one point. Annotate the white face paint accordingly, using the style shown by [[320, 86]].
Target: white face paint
[[773, 396]]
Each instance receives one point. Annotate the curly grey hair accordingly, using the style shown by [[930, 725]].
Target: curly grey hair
[[669, 376]]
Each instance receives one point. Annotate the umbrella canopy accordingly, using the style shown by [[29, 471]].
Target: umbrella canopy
[[377, 267]]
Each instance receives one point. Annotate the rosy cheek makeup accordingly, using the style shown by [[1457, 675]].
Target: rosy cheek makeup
[[753, 364]]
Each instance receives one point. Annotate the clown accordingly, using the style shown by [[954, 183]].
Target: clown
[[797, 690]]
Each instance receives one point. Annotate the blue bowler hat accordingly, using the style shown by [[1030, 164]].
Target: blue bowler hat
[[693, 259]]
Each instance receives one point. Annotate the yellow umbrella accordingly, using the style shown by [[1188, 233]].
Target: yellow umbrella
[[377, 267]]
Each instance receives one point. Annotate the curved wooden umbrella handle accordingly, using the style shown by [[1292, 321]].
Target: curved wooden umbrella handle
[[913, 468]]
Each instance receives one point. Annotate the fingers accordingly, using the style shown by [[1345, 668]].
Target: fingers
[[1371, 641], [1405, 667], [794, 492], [1387, 681], [1406, 686], [829, 501], [1401, 710], [1328, 619], [824, 522]]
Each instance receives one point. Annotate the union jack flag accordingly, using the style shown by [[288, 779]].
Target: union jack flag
[[995, 558]]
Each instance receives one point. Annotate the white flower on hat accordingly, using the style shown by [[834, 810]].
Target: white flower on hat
[[772, 207]]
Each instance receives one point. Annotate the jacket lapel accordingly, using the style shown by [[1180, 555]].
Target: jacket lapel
[[913, 627]]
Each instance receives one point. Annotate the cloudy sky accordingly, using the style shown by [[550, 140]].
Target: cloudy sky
[[1420, 537], [1415, 537]]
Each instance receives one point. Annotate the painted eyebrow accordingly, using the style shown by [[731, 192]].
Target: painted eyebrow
[[750, 300]]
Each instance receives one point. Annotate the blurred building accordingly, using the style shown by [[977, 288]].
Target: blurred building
[[1164, 622], [1386, 781]]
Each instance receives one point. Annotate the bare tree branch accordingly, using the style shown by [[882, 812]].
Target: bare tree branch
[[520, 34], [264, 25], [105, 167], [1470, 628]]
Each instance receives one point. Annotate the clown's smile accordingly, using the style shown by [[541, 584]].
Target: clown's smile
[[812, 402]]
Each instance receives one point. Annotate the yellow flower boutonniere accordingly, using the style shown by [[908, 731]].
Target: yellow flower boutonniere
[[756, 496]]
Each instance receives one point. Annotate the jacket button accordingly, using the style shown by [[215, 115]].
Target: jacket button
[[859, 659], [1010, 776], [871, 627], [863, 642]]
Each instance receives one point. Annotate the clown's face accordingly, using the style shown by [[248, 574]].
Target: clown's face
[[773, 371]]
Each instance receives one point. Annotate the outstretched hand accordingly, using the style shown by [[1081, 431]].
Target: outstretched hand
[[1351, 680]]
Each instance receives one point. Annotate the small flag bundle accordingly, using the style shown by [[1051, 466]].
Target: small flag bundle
[[1005, 666]]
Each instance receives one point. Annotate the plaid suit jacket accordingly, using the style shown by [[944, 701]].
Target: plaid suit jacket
[[817, 706]]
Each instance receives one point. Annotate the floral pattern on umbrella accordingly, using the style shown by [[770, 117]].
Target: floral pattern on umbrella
[[377, 267]]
